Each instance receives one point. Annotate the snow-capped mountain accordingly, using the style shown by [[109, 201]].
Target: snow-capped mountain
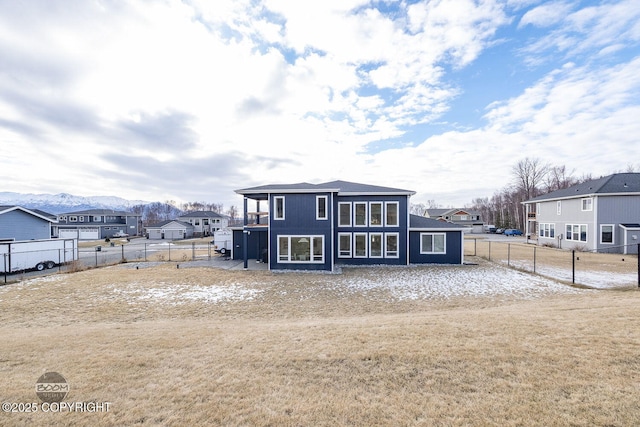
[[63, 202]]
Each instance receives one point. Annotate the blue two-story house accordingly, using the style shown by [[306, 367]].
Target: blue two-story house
[[321, 226]]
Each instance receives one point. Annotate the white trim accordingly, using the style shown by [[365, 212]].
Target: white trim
[[326, 208], [590, 204], [386, 214], [370, 218], [291, 259], [349, 235], [386, 245], [275, 208], [350, 214], [424, 252], [366, 245], [381, 236], [366, 214], [613, 234]]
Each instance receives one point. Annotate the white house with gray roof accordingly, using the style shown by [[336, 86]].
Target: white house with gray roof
[[602, 214], [205, 223]]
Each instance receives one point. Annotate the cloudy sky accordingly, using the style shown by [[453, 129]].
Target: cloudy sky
[[189, 100]]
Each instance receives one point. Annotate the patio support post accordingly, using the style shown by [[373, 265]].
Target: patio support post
[[245, 236]]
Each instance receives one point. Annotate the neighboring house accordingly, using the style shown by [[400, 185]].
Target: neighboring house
[[602, 214], [205, 223], [18, 223], [96, 224], [464, 217], [319, 226], [170, 230]]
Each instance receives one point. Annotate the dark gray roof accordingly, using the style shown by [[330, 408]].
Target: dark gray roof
[[421, 222], [451, 211], [340, 187], [202, 214], [618, 183]]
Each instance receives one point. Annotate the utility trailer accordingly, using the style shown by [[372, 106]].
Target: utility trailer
[[37, 255]]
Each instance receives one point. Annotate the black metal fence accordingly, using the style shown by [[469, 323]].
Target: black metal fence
[[590, 268]]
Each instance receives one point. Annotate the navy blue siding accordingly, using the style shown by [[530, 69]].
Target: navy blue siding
[[453, 253], [300, 219], [256, 243], [20, 225], [401, 229]]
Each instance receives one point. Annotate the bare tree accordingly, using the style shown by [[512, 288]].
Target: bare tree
[[557, 178], [528, 174]]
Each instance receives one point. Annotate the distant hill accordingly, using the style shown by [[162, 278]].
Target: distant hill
[[63, 202]]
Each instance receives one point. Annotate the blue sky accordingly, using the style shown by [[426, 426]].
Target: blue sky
[[189, 100]]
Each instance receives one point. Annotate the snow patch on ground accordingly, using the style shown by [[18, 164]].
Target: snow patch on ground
[[180, 294], [444, 282]]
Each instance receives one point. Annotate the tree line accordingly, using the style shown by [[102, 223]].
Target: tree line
[[530, 177], [163, 211]]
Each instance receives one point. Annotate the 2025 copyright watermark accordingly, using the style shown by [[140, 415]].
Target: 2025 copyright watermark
[[51, 389]]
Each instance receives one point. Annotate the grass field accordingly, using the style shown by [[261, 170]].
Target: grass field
[[435, 345]]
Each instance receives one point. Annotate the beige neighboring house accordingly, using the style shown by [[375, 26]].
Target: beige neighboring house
[[205, 223], [459, 216], [170, 230]]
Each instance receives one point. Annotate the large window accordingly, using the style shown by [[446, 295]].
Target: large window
[[432, 243], [321, 207], [547, 230], [375, 245], [278, 202], [344, 214], [391, 214], [391, 245], [360, 244], [302, 249], [606, 233], [375, 214], [587, 204], [360, 214], [576, 232], [344, 245]]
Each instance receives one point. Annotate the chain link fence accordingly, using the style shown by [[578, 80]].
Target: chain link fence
[[588, 268]]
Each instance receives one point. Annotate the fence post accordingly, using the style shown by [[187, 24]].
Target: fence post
[[475, 247], [534, 259], [96, 252], [4, 256], [573, 266], [193, 251], [509, 254], [145, 252], [169, 251], [489, 250], [123, 259]]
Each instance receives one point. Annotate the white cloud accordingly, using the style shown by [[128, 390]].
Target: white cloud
[[546, 15]]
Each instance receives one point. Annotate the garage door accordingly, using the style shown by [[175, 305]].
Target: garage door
[[67, 234], [173, 234], [89, 234]]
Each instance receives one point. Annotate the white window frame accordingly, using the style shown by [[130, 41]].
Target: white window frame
[[547, 230], [569, 235], [432, 251], [366, 245], [340, 205], [588, 201], [275, 208], [386, 214], [319, 215], [613, 235], [381, 223], [366, 213], [346, 254], [381, 237], [559, 207], [537, 208], [73, 218], [390, 254], [288, 258]]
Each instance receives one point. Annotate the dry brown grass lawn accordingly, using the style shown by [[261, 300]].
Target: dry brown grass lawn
[[301, 352]]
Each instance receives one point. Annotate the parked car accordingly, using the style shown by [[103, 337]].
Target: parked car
[[499, 230], [512, 232], [120, 234]]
